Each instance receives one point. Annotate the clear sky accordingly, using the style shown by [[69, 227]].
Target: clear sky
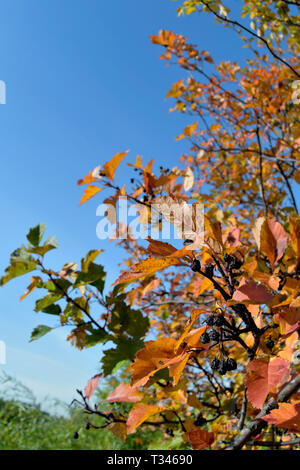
[[83, 82]]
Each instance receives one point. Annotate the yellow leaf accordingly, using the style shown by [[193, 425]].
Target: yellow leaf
[[140, 413], [90, 191], [111, 166], [34, 281]]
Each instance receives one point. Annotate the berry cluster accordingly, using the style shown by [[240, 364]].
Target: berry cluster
[[224, 365], [213, 334], [232, 262]]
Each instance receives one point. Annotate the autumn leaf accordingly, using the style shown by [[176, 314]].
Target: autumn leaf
[[200, 438], [286, 416], [189, 179], [194, 315], [271, 238], [295, 234], [91, 386], [90, 192], [124, 393], [288, 319], [156, 356], [147, 268], [35, 281], [111, 166], [119, 430], [158, 248], [264, 377], [140, 413], [250, 291]]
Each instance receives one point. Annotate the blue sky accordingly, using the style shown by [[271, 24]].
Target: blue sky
[[83, 82]]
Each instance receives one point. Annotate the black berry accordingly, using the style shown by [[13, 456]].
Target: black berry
[[205, 338], [239, 308], [196, 266], [209, 270], [214, 335], [236, 264], [231, 364], [199, 421], [75, 435], [187, 242], [87, 426], [215, 363], [211, 320], [219, 321], [228, 259]]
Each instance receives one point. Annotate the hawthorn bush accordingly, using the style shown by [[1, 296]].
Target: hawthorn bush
[[221, 369]]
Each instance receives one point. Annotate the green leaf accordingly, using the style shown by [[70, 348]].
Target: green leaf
[[124, 319], [39, 331], [95, 276], [90, 257], [125, 363], [35, 234], [97, 336], [46, 301], [126, 350], [50, 244], [15, 270], [53, 309]]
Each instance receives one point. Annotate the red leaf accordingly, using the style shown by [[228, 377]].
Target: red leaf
[[286, 416], [264, 377], [253, 293], [124, 393], [200, 438], [91, 386]]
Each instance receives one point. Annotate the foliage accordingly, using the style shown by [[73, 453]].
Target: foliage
[[221, 368]]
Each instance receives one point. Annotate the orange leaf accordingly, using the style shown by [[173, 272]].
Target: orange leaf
[[146, 268], [35, 280], [200, 438], [140, 413], [286, 416], [90, 191], [86, 179], [288, 319], [157, 247], [264, 377], [271, 238], [295, 234], [124, 393], [111, 166], [155, 356], [288, 351]]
